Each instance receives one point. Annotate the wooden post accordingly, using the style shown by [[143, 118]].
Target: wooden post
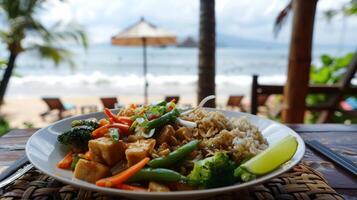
[[296, 87], [207, 51], [254, 96]]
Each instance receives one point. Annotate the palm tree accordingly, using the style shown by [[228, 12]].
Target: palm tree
[[21, 23], [207, 48]]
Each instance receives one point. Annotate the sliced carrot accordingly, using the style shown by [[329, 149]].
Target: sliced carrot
[[110, 115], [103, 122], [133, 106], [124, 120], [122, 176], [88, 155], [124, 128], [66, 162], [117, 119], [131, 187], [99, 132]]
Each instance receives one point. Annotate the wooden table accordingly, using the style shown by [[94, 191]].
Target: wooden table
[[341, 138]]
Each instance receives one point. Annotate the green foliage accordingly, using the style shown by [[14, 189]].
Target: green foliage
[[329, 73], [348, 9], [28, 124], [4, 126], [20, 22]]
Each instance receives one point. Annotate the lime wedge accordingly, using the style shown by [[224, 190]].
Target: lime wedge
[[272, 157]]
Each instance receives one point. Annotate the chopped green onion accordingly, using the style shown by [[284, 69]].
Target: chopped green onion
[[114, 134]]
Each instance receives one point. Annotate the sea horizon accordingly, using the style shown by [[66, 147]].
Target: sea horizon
[[111, 70]]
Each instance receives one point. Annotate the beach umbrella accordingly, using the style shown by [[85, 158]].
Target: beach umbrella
[[143, 34]]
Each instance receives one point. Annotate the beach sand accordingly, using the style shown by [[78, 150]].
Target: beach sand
[[20, 111]]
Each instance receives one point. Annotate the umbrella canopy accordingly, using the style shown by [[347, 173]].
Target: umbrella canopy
[[144, 33]]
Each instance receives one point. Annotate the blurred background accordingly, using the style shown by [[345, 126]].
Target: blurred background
[[63, 58]]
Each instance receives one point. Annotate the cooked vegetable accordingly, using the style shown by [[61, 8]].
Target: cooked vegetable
[[114, 134], [157, 174], [103, 122], [87, 122], [213, 171], [124, 120], [77, 137], [65, 163], [243, 174], [117, 119], [88, 155], [163, 120], [74, 162], [99, 132], [123, 176], [131, 187], [174, 156]]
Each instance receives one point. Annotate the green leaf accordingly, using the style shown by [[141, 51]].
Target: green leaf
[[326, 59], [343, 62]]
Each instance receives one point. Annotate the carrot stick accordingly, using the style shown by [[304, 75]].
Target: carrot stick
[[124, 120], [117, 119], [123, 176], [66, 162], [99, 132], [110, 115], [103, 122], [131, 187]]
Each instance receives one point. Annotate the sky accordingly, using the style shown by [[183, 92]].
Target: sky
[[252, 19]]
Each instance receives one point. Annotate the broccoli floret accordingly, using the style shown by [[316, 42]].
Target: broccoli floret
[[87, 122], [212, 172], [77, 137], [243, 175]]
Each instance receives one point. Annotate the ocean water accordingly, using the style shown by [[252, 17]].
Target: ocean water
[[111, 70]]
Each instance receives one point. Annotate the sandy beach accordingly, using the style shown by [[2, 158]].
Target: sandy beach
[[20, 111]]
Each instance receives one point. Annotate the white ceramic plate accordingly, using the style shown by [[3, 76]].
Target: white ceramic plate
[[44, 152]]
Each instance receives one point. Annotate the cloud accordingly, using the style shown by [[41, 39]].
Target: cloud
[[244, 18]]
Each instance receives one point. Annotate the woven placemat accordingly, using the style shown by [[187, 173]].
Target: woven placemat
[[300, 183]]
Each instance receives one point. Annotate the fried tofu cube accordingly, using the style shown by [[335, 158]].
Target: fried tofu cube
[[139, 150], [106, 151], [90, 171]]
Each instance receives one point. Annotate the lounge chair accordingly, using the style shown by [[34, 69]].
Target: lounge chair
[[56, 104], [109, 102], [235, 101], [170, 98]]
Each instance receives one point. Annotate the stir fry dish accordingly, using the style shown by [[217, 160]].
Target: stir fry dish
[[160, 148]]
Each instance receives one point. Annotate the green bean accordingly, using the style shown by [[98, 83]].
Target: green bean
[[158, 174], [174, 156], [163, 120]]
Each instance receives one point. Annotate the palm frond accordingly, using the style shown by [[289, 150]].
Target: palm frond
[[53, 53], [281, 18], [71, 32]]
